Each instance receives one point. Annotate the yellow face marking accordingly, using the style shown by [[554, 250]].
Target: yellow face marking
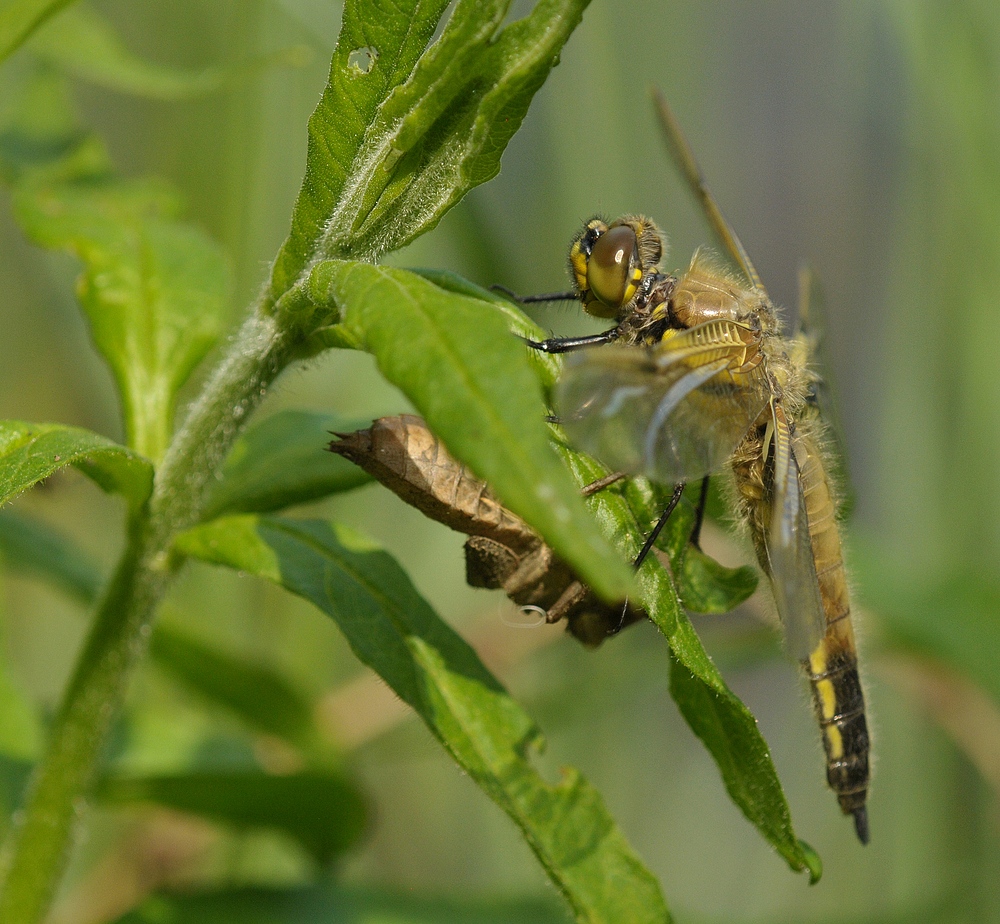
[[579, 262], [633, 284]]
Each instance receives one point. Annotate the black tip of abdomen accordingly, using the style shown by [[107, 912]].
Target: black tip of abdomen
[[861, 823]]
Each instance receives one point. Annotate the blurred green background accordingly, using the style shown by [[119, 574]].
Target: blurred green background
[[860, 138]]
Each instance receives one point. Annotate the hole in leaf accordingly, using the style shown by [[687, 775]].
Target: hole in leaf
[[362, 60]]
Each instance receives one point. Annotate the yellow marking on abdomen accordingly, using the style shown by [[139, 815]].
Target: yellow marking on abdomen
[[835, 742], [826, 695]]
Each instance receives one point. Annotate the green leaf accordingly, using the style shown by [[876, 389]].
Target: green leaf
[[41, 140], [31, 547], [707, 587], [84, 44], [328, 903], [282, 461], [727, 728], [729, 731], [547, 366], [704, 585], [262, 698], [393, 630], [397, 138], [20, 18], [154, 289], [455, 359], [322, 811], [714, 713], [31, 452]]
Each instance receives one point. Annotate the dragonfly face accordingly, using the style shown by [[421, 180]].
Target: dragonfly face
[[610, 262], [697, 377]]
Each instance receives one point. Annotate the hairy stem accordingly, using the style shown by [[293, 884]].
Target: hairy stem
[[38, 847]]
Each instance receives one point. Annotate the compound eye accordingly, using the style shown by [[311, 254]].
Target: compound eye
[[611, 269]]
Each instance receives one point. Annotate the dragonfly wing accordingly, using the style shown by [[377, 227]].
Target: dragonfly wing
[[790, 552], [674, 412], [809, 341]]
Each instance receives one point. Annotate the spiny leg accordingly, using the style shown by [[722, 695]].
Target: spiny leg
[[675, 499], [558, 344], [699, 514], [568, 344], [535, 299]]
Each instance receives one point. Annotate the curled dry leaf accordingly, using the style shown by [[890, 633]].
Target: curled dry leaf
[[502, 551]]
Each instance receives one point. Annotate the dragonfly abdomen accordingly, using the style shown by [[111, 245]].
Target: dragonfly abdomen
[[832, 667], [840, 709]]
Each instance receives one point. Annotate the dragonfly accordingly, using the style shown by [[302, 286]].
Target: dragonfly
[[697, 375]]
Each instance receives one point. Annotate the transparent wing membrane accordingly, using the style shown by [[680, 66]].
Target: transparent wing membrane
[[674, 412], [790, 552]]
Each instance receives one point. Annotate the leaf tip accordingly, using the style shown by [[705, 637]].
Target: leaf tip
[[813, 862]]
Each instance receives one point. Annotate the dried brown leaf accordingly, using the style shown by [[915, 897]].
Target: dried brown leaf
[[502, 551]]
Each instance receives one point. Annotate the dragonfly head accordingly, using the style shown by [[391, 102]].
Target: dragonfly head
[[609, 263]]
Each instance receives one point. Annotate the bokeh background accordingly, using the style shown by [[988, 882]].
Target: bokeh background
[[860, 138]]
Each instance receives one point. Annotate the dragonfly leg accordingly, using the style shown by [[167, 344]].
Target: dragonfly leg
[[536, 299], [699, 514], [568, 344], [675, 499]]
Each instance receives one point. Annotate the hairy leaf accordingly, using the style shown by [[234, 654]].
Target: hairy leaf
[[31, 452], [729, 731], [393, 630], [397, 138], [154, 289], [547, 366], [323, 811], [455, 359]]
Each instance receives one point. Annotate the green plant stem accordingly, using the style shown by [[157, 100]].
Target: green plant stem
[[37, 849]]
